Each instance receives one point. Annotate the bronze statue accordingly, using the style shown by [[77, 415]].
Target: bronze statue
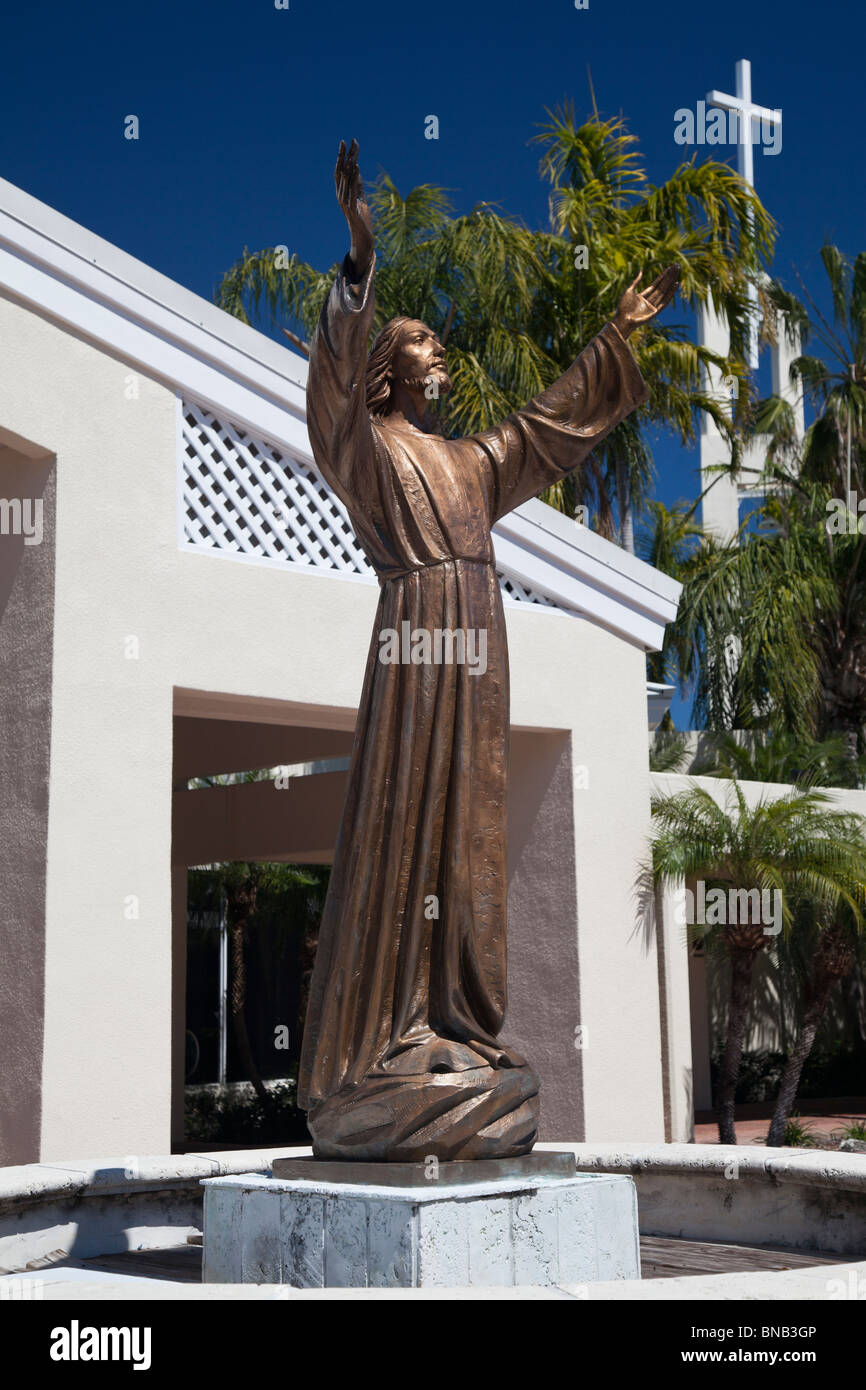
[[401, 1056]]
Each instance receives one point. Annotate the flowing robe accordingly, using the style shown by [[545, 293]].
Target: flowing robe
[[409, 986]]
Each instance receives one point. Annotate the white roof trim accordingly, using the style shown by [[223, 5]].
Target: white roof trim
[[552, 554], [86, 283]]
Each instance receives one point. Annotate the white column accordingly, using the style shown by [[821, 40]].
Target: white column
[[673, 947], [720, 506], [619, 1012], [783, 355]]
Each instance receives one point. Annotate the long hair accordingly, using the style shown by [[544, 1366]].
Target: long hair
[[378, 378]]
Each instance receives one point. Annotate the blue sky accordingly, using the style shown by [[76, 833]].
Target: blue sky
[[241, 107]]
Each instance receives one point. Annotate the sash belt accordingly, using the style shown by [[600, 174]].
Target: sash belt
[[433, 564]]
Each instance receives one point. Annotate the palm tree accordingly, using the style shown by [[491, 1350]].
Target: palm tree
[[773, 626], [515, 306], [793, 846], [833, 958], [777, 756], [240, 882], [296, 894], [704, 218], [774, 755], [669, 750], [834, 448], [793, 592], [668, 544]]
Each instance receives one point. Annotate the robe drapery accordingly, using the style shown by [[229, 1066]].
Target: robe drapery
[[400, 1055]]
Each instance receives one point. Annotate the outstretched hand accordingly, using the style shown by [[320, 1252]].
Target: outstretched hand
[[352, 200], [640, 306]]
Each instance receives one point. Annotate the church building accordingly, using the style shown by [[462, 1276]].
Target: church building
[[182, 595]]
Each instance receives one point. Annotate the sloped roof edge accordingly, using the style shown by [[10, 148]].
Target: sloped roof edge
[[90, 285]]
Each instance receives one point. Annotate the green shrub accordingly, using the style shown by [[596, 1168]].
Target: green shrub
[[234, 1114], [839, 1071], [799, 1134], [854, 1129]]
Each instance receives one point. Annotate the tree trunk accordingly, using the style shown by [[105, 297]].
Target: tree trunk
[[241, 904], [854, 1004], [309, 946], [794, 1067], [851, 745], [832, 961], [742, 965], [623, 496]]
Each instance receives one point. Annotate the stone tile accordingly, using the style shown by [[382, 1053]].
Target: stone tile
[[302, 1240], [222, 1235], [616, 1238], [443, 1245], [345, 1243], [576, 1232], [391, 1231], [491, 1257], [260, 1238], [536, 1237]]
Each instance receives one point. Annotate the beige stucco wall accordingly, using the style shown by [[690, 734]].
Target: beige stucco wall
[[214, 624], [618, 964]]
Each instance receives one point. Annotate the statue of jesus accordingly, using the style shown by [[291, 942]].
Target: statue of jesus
[[402, 1058]]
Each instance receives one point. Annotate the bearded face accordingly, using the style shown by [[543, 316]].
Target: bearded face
[[419, 358]]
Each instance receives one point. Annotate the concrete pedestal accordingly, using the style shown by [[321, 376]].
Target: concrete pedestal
[[332, 1232]]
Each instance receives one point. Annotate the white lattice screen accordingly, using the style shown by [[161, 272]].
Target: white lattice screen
[[244, 495]]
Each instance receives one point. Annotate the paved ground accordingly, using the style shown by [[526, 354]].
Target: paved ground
[[660, 1259], [671, 1270], [754, 1131]]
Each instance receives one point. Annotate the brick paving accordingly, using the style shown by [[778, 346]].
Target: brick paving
[[754, 1131], [661, 1258]]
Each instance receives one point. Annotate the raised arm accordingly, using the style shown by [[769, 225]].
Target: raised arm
[[353, 201], [337, 417], [550, 436]]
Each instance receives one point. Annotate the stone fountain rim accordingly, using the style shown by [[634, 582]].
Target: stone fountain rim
[[67, 1189], [809, 1167], [34, 1183]]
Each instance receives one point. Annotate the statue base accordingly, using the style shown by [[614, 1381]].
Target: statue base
[[530, 1221], [540, 1164]]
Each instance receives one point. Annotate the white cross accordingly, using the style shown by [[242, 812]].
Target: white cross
[[747, 112]]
